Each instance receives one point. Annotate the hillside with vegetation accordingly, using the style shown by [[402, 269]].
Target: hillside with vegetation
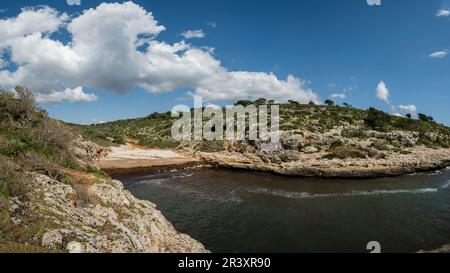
[[54, 199], [333, 131], [316, 140]]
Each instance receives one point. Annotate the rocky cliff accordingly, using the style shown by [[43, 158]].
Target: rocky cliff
[[100, 216], [54, 199], [334, 154]]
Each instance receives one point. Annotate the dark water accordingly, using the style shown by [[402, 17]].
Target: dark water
[[237, 211]]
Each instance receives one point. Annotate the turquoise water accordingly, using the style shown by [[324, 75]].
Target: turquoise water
[[239, 211]]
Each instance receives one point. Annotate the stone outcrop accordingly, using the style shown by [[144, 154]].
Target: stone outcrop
[[304, 153], [100, 216], [89, 151]]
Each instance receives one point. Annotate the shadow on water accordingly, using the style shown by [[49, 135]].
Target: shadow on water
[[239, 211]]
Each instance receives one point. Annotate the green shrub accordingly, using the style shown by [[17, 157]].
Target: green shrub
[[285, 158], [13, 182], [97, 172], [344, 152], [425, 118], [211, 146], [377, 120], [354, 133], [336, 143], [380, 145]]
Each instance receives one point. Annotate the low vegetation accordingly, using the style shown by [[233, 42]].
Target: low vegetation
[[30, 142], [154, 131]]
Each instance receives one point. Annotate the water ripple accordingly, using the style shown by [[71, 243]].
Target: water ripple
[[306, 195]]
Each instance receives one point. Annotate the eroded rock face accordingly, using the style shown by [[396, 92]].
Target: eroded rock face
[[345, 151], [115, 222], [89, 151], [313, 164]]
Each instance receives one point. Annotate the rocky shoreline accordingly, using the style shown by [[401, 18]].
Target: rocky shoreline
[[420, 159], [92, 213], [100, 216]]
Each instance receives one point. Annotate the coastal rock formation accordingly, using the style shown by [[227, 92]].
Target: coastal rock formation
[[333, 154], [100, 216], [88, 150]]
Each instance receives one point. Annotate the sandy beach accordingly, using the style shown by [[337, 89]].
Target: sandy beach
[[128, 159]]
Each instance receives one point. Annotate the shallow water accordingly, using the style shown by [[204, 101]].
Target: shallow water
[[239, 211]]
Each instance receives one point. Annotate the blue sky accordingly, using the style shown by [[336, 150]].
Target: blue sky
[[338, 47]]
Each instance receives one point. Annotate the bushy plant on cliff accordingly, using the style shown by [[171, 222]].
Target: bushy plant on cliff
[[377, 120], [29, 142], [154, 131], [344, 152], [425, 118], [26, 128]]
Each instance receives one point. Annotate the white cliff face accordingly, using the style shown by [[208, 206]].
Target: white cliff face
[[103, 217]]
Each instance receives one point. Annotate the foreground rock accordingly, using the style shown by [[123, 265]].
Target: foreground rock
[[100, 216]]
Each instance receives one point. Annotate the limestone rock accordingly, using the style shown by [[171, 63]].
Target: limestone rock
[[75, 247], [118, 223], [52, 239]]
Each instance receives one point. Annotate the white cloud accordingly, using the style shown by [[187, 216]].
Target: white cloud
[[338, 96], [190, 34], [443, 13], [71, 95], [411, 109], [397, 115], [235, 85], [96, 121], [103, 53], [438, 54], [42, 20], [383, 92], [212, 24]]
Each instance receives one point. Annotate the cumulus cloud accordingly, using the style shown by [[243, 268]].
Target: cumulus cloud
[[41, 20], [382, 92], [114, 47], [443, 13], [190, 34], [438, 54], [71, 95], [338, 96], [411, 109]]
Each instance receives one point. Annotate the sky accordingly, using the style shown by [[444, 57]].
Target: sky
[[90, 61]]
